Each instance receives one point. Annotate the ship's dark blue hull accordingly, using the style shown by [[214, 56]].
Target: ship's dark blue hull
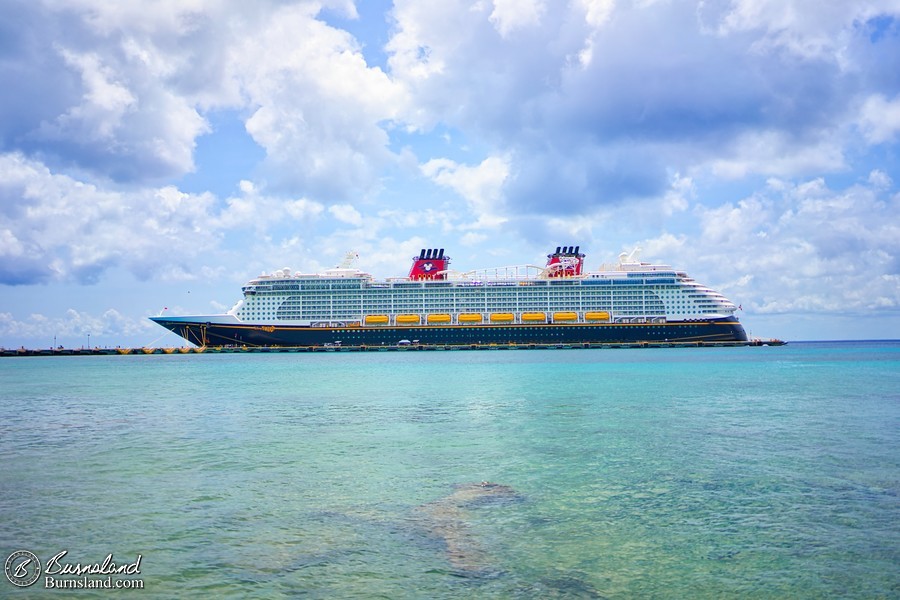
[[213, 334]]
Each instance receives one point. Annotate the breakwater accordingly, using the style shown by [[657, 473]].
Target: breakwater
[[348, 348]]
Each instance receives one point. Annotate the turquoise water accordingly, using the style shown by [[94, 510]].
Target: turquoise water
[[654, 473]]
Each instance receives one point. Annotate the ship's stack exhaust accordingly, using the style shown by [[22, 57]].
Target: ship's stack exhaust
[[567, 261], [429, 264]]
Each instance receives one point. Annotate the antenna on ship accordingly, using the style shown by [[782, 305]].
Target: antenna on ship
[[349, 260], [630, 257]]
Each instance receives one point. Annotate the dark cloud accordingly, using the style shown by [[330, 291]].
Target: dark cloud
[[662, 91], [875, 48], [24, 271], [91, 98], [37, 85], [576, 179]]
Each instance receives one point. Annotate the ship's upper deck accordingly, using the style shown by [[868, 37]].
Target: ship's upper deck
[[561, 266], [627, 290]]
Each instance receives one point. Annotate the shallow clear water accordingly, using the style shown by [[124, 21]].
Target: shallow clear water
[[658, 473]]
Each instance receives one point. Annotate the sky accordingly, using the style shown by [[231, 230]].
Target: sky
[[159, 154]]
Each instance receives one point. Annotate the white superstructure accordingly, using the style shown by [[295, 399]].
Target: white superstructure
[[627, 292]]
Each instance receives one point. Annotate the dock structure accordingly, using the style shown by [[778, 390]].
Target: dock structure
[[186, 350]]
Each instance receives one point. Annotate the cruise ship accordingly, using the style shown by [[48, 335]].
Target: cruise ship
[[558, 303]]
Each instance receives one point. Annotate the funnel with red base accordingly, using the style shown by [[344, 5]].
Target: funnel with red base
[[429, 264], [567, 261]]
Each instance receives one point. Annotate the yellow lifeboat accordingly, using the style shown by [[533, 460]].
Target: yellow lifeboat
[[502, 318], [533, 317], [438, 318], [377, 320], [565, 316], [469, 318], [601, 315], [407, 319]]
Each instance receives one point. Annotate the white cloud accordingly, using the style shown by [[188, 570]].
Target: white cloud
[[734, 224], [10, 246], [116, 107], [775, 153], [664, 247], [74, 326], [346, 213], [127, 125], [796, 247], [807, 28], [472, 238], [105, 100], [320, 107], [481, 186], [259, 211], [596, 12], [596, 15], [59, 228], [74, 230], [415, 218], [417, 48], [611, 126], [879, 119], [880, 180], [134, 80], [460, 72], [677, 198], [106, 18], [510, 15]]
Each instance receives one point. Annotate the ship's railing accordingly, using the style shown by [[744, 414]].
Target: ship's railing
[[510, 273], [633, 266]]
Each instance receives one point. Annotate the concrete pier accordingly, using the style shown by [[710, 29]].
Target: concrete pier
[[187, 350]]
